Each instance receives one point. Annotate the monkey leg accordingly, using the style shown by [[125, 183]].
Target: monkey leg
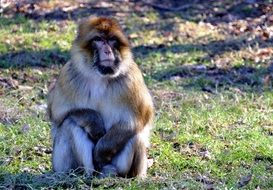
[[140, 162], [63, 159], [83, 149], [132, 160], [108, 170], [72, 148], [121, 163]]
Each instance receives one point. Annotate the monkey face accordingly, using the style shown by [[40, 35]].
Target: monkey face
[[105, 44], [106, 58]]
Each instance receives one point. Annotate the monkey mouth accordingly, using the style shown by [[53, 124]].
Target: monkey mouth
[[105, 70], [107, 62]]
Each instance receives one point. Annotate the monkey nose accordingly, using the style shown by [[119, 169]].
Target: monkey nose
[[107, 52]]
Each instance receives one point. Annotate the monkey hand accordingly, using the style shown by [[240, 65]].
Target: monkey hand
[[96, 131], [103, 152], [112, 142]]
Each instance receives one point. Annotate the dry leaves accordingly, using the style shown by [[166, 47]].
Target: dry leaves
[[9, 115], [40, 150], [8, 83], [264, 54]]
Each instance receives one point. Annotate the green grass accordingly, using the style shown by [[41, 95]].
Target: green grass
[[211, 130]]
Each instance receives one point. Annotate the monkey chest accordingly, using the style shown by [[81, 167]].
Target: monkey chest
[[111, 110], [114, 114]]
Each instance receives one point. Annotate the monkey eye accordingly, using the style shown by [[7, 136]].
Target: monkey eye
[[112, 40], [97, 38]]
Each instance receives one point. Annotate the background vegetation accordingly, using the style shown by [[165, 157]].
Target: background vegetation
[[207, 63]]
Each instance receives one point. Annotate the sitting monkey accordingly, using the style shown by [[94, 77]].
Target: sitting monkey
[[101, 85]]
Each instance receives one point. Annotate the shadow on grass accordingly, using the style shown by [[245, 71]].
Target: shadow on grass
[[211, 78], [48, 180], [60, 14], [25, 58], [63, 11], [194, 10], [206, 78], [48, 57], [211, 11], [248, 76], [213, 48], [72, 180]]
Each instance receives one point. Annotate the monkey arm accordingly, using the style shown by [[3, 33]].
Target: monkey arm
[[90, 120], [59, 109], [58, 103], [120, 133], [113, 141]]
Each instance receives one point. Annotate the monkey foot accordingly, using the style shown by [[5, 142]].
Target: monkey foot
[[108, 171]]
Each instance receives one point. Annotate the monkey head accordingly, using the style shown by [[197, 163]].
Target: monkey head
[[101, 46]]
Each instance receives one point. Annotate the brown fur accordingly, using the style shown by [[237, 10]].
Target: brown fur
[[139, 160], [77, 88]]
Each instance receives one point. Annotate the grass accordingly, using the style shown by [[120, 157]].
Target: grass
[[213, 127]]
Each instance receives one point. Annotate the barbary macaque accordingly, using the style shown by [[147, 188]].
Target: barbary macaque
[[103, 82]]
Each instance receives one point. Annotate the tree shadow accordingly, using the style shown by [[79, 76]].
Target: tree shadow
[[211, 78], [207, 78], [211, 11], [194, 10], [42, 10], [212, 49], [60, 14], [48, 57], [197, 10], [26, 58], [246, 77]]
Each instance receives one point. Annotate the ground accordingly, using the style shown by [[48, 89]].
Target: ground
[[208, 65]]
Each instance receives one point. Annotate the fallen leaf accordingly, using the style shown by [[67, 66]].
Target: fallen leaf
[[150, 162], [39, 72], [11, 83], [133, 36], [263, 54], [21, 87]]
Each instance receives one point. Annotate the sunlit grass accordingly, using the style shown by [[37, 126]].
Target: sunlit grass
[[222, 133]]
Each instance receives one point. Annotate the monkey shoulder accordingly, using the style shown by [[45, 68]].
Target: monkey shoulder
[[60, 98]]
